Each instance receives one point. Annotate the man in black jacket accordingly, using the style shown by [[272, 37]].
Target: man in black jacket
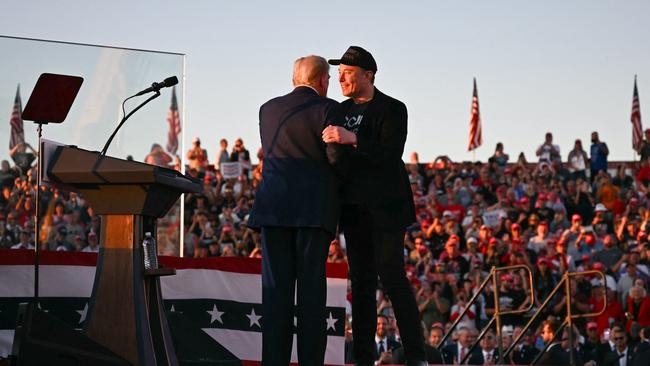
[[621, 350], [297, 209], [378, 204]]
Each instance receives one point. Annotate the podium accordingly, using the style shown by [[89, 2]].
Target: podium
[[125, 313]]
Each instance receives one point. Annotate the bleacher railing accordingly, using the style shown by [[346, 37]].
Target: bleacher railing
[[496, 318]]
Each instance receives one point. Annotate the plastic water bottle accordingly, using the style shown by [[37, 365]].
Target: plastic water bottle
[[150, 251]]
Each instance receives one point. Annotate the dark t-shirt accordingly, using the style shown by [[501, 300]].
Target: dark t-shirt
[[24, 160], [354, 117]]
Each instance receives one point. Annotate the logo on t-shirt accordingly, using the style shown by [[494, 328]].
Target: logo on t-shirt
[[352, 123]]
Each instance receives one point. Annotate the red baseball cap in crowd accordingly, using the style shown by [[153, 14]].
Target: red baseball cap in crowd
[[542, 196], [586, 258], [542, 261], [598, 266], [438, 325], [493, 241], [451, 243], [515, 226], [592, 325], [576, 217], [590, 239], [524, 200], [422, 249]]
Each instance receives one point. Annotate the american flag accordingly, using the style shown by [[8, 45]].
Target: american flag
[[16, 122], [475, 132], [637, 136], [174, 125]]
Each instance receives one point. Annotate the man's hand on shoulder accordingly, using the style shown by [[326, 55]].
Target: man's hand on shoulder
[[339, 135]]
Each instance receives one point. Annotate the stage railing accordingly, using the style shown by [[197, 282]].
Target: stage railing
[[497, 311], [566, 282]]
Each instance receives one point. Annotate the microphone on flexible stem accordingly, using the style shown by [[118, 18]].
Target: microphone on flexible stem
[[170, 81], [155, 87]]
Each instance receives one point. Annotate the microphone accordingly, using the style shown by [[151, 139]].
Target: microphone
[[170, 81]]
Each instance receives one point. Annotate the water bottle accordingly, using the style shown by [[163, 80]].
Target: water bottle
[[150, 251]]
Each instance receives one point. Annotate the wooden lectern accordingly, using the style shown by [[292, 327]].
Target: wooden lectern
[[125, 313]]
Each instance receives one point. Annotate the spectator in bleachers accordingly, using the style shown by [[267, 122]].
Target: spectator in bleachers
[[23, 241], [158, 156], [23, 158], [578, 161], [222, 154], [93, 244], [241, 155], [197, 157], [548, 151], [598, 156]]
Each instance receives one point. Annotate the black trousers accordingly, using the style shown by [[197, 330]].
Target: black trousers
[[378, 251], [294, 257]]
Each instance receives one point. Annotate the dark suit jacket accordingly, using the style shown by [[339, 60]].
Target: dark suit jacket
[[611, 358], [642, 354], [299, 187], [433, 355], [450, 353], [477, 357], [525, 355], [377, 177], [595, 351], [555, 355], [391, 345]]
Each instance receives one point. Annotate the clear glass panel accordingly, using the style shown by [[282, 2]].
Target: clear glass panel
[[110, 75]]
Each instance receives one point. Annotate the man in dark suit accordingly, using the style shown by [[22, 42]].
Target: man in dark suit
[[524, 353], [455, 353], [378, 204], [642, 350], [555, 353], [622, 355], [593, 349], [488, 353], [297, 209], [434, 356], [385, 345]]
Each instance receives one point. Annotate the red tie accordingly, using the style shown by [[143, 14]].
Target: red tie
[[462, 354]]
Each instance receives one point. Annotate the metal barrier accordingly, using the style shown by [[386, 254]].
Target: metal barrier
[[497, 312], [566, 281]]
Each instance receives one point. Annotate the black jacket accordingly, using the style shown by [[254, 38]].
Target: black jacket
[[477, 357], [376, 175], [641, 354], [450, 353], [298, 187], [524, 355], [434, 356], [611, 358]]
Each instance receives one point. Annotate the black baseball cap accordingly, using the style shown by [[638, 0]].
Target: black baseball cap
[[356, 56]]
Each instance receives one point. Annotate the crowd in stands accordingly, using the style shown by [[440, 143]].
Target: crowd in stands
[[557, 214]]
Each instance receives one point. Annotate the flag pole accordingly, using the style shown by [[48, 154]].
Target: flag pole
[[634, 152]]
